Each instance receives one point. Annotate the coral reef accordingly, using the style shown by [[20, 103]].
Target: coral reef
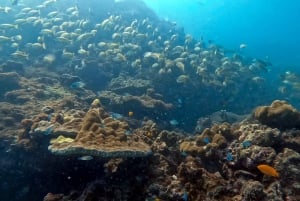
[[108, 110]]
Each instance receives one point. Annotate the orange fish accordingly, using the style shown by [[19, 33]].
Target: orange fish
[[268, 170]]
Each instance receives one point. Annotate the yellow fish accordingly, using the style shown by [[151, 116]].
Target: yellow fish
[[130, 113], [268, 170]]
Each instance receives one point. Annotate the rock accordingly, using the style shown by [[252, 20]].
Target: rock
[[9, 81], [12, 66], [253, 190], [123, 85]]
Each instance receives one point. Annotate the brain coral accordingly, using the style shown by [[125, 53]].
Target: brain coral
[[101, 135], [279, 114]]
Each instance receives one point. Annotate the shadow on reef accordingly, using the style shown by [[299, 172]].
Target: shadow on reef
[[31, 175]]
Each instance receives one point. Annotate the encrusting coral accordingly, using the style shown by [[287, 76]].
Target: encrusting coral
[[101, 135]]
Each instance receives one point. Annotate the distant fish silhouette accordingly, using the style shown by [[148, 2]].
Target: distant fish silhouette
[[243, 46], [201, 3], [14, 2], [77, 85], [85, 158]]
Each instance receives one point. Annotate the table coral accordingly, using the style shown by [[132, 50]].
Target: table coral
[[101, 135]]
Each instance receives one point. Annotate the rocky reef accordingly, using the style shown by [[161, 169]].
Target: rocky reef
[[147, 162]]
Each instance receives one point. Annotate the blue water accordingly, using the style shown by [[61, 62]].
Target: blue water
[[269, 28]]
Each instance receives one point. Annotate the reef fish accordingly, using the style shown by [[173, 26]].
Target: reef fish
[[174, 122], [116, 115], [206, 140], [229, 157], [130, 113], [85, 158], [243, 46], [268, 170], [246, 144], [185, 196], [77, 85]]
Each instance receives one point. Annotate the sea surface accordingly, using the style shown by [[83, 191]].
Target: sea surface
[[147, 99]]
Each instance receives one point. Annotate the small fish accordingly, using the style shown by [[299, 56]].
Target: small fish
[[184, 154], [128, 132], [5, 39], [185, 196], [49, 130], [14, 2], [8, 26], [4, 9], [67, 55], [130, 113], [246, 144], [229, 157], [268, 170], [206, 140], [116, 115], [20, 55], [243, 46], [174, 122], [77, 85], [85, 158], [182, 79], [49, 117]]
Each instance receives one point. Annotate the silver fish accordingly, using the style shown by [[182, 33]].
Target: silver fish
[[85, 158]]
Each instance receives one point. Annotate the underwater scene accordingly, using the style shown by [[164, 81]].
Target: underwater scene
[[132, 100]]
